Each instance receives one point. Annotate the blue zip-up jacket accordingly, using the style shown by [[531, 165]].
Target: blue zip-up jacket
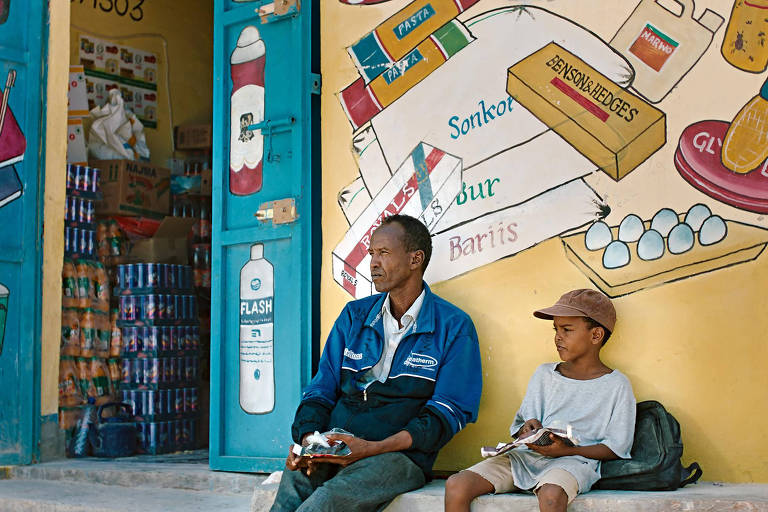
[[432, 391]]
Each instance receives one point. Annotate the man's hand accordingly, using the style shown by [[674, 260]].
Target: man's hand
[[294, 462], [359, 447], [528, 427], [558, 448]]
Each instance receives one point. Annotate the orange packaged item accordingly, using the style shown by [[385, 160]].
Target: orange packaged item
[[100, 378], [84, 284], [84, 377], [70, 332], [101, 287], [103, 335], [102, 240], [87, 333], [116, 336], [68, 284], [114, 373], [69, 391]]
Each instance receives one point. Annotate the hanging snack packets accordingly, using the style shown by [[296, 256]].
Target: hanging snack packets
[[361, 102], [378, 50], [423, 187], [612, 127]]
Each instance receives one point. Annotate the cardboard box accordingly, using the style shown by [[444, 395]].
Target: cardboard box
[[168, 245], [76, 150], [133, 188], [607, 124], [194, 136]]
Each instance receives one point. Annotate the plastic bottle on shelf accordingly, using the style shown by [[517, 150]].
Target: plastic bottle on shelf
[[84, 284], [116, 335], [87, 333], [70, 332], [101, 286], [257, 379], [69, 284], [69, 392]]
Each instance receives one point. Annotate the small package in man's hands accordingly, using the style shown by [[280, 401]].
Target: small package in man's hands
[[320, 446]]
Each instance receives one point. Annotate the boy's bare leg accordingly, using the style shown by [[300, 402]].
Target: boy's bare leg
[[462, 488], [552, 498]]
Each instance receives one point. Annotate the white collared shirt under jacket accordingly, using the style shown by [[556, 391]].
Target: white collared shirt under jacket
[[393, 333]]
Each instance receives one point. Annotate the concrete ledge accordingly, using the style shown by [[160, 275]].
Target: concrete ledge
[[704, 496]]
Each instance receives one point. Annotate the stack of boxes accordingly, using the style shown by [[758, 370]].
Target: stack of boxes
[[161, 347], [89, 368]]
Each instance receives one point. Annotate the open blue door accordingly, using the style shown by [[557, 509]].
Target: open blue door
[[265, 238], [22, 58]]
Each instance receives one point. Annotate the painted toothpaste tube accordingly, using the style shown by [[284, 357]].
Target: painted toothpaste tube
[[423, 187]]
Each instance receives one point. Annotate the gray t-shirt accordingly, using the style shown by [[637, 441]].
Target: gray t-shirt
[[600, 411]]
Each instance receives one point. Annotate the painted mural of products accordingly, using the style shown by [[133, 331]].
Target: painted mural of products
[[745, 45], [247, 65], [361, 102], [257, 369], [423, 187], [462, 107], [12, 141], [746, 144], [612, 127], [663, 45], [698, 160], [380, 49]]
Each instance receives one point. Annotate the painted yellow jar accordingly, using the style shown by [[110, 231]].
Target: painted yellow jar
[[746, 39]]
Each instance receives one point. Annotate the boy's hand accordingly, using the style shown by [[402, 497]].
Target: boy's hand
[[528, 427], [558, 448]]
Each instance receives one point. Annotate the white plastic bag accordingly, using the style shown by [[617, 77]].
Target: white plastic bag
[[116, 133]]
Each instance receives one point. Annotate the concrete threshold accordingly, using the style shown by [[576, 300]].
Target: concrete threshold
[[704, 496]]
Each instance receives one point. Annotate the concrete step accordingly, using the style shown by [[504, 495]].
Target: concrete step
[[63, 496], [141, 472], [701, 497]]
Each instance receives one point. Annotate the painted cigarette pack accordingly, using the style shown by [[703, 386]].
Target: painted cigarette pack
[[609, 125], [423, 187]]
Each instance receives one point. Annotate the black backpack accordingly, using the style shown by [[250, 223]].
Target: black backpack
[[655, 463]]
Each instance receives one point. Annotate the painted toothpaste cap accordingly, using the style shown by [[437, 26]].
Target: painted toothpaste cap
[[250, 46]]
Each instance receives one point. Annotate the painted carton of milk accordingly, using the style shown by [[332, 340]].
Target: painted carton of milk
[[424, 186]]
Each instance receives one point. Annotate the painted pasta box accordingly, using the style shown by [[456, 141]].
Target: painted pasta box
[[377, 51], [612, 127], [423, 187]]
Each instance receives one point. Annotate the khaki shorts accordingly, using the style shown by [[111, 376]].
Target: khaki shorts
[[498, 472]]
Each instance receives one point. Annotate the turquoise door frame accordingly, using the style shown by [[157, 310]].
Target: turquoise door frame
[[266, 237], [23, 51]]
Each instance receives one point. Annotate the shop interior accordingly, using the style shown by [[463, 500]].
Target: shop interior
[[136, 274]]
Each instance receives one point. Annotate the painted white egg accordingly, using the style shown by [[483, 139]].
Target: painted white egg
[[696, 216], [616, 255], [598, 236], [712, 230], [664, 220], [651, 245], [631, 228], [680, 239]]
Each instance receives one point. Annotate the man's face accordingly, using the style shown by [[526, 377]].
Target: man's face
[[391, 264], [573, 337]]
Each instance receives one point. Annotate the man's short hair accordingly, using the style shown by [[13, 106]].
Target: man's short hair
[[592, 323], [416, 236]]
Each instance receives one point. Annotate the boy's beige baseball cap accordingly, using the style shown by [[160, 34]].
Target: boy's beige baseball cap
[[582, 302]]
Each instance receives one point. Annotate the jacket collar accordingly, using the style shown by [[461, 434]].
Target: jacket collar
[[424, 323]]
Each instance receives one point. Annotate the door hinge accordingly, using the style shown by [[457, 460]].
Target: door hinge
[[282, 211], [278, 10], [316, 83]]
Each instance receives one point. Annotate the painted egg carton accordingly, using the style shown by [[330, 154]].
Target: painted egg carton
[[639, 254]]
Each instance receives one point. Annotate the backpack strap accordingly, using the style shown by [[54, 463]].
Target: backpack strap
[[693, 471]]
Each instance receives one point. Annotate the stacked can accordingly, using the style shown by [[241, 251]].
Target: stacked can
[[158, 319], [79, 214]]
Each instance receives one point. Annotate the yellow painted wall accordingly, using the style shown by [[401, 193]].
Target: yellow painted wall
[[53, 243], [186, 29], [696, 345]]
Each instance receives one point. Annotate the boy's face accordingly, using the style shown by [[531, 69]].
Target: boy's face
[[574, 338]]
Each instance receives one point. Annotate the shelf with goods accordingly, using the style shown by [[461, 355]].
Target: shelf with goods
[[89, 367], [157, 317]]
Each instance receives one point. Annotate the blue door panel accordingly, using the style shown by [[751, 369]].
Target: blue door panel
[[246, 434], [22, 55]]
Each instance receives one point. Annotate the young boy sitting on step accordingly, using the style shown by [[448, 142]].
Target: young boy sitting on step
[[596, 401]]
